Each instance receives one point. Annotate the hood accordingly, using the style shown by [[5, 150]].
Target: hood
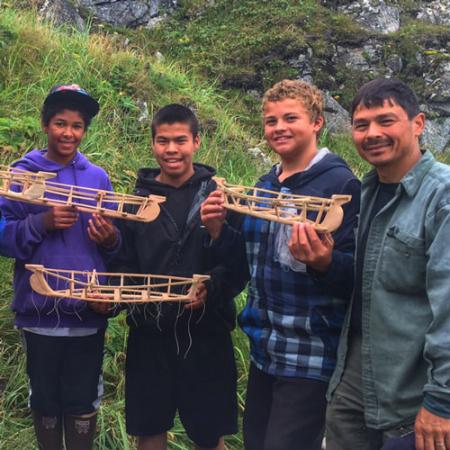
[[146, 180], [36, 160], [327, 163]]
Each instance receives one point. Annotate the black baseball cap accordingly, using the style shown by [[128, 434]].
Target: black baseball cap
[[72, 94]]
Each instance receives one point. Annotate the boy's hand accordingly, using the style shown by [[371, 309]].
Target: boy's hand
[[200, 298], [60, 217], [102, 231], [212, 213], [310, 248], [101, 307]]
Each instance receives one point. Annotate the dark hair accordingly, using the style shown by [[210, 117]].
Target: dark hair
[[175, 113], [49, 111], [376, 92]]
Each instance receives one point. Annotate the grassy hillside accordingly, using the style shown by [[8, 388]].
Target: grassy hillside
[[34, 57], [247, 45], [210, 46]]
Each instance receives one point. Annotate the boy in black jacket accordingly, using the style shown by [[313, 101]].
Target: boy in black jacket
[[180, 356]]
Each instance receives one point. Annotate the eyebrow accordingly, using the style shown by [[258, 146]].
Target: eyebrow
[[387, 116], [60, 119], [166, 138], [379, 117], [296, 113]]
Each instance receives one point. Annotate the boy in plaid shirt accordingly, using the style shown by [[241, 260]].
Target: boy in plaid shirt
[[297, 292]]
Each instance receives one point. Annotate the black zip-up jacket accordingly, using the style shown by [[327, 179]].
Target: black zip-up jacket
[[176, 244]]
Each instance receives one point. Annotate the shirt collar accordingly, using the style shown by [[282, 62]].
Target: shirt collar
[[412, 181]]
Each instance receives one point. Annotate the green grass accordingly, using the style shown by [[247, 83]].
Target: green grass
[[246, 45], [33, 58]]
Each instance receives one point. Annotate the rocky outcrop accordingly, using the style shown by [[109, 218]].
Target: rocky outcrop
[[122, 13], [366, 58], [62, 12], [302, 63], [127, 13], [375, 15], [370, 60], [337, 119], [436, 136], [436, 12], [438, 88], [378, 47], [382, 52]]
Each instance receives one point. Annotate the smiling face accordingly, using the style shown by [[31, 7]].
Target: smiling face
[[174, 147], [386, 138], [64, 131], [289, 130]]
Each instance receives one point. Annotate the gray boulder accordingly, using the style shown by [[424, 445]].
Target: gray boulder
[[436, 12], [439, 99], [367, 58], [61, 12], [375, 15], [436, 136], [351, 58], [127, 13], [337, 119]]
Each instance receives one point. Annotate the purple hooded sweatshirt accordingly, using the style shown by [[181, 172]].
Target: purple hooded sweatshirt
[[26, 240]]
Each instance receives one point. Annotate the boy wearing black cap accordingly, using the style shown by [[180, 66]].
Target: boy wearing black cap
[[63, 338]]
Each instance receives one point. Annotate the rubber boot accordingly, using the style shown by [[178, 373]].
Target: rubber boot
[[79, 431], [48, 431]]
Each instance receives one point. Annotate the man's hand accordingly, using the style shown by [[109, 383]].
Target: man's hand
[[312, 249], [432, 432], [200, 298], [102, 231], [212, 213], [60, 217]]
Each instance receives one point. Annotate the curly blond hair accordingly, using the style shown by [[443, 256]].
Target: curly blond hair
[[307, 94]]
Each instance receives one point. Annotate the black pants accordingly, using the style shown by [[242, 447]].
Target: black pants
[[201, 385], [64, 373], [283, 413]]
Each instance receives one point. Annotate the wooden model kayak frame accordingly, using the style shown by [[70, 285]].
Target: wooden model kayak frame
[[34, 187], [283, 207], [80, 285]]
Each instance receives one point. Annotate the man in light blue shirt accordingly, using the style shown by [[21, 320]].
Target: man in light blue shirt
[[393, 372]]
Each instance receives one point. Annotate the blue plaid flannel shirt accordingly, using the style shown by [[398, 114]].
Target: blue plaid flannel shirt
[[292, 320]]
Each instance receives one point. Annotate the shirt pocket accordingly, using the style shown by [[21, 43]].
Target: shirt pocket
[[403, 262]]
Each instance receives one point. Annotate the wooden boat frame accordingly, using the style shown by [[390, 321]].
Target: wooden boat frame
[[34, 187], [283, 207], [84, 285]]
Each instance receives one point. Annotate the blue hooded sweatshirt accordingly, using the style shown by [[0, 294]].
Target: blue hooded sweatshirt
[[26, 240]]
